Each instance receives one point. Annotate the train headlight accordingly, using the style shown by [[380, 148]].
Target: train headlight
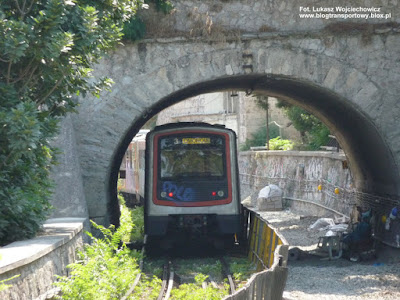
[[214, 193], [163, 194], [220, 193]]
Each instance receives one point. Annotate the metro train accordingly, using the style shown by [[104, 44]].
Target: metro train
[[132, 170], [192, 184]]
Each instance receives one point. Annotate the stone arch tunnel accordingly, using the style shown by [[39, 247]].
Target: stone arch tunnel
[[357, 135], [350, 84]]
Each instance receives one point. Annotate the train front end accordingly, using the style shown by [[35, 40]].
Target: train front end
[[192, 187]]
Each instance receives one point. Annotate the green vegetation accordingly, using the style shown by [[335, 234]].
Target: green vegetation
[[135, 29], [106, 271], [147, 288], [279, 144], [107, 268], [132, 222], [3, 285], [153, 267], [313, 132], [242, 269], [47, 50], [194, 291], [259, 138], [164, 6], [25, 159], [193, 267]]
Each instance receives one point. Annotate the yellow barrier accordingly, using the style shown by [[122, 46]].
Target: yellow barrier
[[263, 242], [269, 250]]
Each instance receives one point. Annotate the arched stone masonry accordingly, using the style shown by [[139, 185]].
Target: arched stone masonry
[[349, 84]]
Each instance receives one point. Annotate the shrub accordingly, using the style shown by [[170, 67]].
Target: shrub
[[25, 160], [132, 224], [47, 49], [259, 138], [164, 6], [279, 144], [313, 132], [107, 271], [135, 29]]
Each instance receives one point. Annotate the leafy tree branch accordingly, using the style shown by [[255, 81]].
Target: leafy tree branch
[[47, 50]]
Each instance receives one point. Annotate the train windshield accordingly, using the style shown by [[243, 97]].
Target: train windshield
[[199, 156]]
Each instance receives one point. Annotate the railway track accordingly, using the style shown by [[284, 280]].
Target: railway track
[[168, 281], [228, 274], [177, 270]]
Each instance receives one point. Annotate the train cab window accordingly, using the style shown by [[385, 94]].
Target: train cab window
[[191, 157]]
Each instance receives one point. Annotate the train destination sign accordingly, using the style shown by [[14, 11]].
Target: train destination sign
[[197, 140]]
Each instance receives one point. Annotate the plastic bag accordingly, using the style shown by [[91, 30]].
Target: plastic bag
[[322, 224]]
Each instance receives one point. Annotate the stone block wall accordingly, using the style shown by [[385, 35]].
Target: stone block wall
[[67, 201], [298, 174], [37, 261], [201, 16], [355, 94]]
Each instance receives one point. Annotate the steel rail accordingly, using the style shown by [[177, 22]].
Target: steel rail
[[168, 281], [228, 274], [164, 281]]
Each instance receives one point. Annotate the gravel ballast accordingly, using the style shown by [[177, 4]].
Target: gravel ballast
[[340, 279]]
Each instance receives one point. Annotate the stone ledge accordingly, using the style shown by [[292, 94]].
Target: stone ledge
[[262, 151], [56, 232]]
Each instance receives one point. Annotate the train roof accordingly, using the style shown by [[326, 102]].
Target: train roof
[[189, 124], [141, 135]]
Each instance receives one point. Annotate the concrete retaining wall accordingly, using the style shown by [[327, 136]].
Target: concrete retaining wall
[[38, 260], [298, 174]]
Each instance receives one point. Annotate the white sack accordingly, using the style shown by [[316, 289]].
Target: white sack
[[322, 224], [270, 191]]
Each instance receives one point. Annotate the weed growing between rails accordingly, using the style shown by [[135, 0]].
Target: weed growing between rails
[[196, 291], [193, 273], [188, 269], [241, 270]]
